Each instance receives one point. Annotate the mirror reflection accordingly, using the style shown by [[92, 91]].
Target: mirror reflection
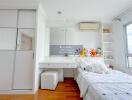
[[25, 39]]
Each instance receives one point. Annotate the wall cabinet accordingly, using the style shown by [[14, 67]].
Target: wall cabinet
[[8, 18], [6, 69], [26, 19], [7, 38], [57, 36], [23, 78], [71, 36]]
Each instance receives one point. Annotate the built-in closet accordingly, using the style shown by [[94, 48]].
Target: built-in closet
[[17, 42]]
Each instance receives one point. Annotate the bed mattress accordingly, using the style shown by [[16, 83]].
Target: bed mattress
[[113, 86]]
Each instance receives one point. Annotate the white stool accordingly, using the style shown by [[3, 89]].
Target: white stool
[[49, 80]]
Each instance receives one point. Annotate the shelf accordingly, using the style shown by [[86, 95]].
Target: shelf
[[107, 42], [107, 33]]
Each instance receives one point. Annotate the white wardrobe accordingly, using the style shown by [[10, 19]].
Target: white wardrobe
[[17, 41]]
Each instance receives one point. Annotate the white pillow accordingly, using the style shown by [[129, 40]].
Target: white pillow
[[97, 67], [81, 63]]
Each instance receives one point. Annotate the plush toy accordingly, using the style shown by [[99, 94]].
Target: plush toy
[[88, 52], [93, 53], [83, 52]]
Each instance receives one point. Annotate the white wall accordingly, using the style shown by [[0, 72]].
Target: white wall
[[46, 42], [119, 44], [87, 38], [40, 39]]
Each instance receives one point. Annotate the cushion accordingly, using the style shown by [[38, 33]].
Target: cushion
[[97, 67], [84, 63]]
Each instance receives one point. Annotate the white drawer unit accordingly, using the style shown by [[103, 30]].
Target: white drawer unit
[[57, 65]]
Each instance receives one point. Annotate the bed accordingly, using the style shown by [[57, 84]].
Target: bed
[[113, 86]]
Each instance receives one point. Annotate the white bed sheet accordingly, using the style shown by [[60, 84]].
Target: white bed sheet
[[113, 86]]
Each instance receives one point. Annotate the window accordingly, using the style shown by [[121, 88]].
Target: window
[[129, 44]]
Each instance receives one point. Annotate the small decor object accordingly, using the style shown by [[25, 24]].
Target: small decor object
[[111, 66], [82, 52], [88, 52], [107, 30], [93, 53], [99, 51]]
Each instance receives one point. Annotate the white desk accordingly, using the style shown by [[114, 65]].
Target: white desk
[[58, 63]]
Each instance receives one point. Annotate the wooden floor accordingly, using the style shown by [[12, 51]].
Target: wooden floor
[[67, 90]]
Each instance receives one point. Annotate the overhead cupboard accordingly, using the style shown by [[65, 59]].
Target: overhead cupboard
[[17, 42]]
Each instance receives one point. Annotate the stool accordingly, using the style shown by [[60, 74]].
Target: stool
[[49, 80]]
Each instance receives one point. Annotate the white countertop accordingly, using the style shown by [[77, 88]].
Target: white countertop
[[61, 62]]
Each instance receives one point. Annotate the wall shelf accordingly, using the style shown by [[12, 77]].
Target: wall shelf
[[107, 42], [107, 33]]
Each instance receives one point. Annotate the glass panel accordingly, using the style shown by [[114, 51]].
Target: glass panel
[[129, 38], [130, 61], [25, 40]]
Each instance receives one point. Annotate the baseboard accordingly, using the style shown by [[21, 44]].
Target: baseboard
[[17, 92]]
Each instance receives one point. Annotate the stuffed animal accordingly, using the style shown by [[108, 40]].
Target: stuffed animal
[[93, 53], [82, 52], [88, 52]]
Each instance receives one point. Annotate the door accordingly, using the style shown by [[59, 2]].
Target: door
[[8, 38], [23, 77], [7, 55], [6, 69], [8, 18], [26, 19]]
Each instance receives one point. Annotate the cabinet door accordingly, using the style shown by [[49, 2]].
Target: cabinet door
[[6, 69], [7, 39], [8, 18], [57, 36], [72, 37], [26, 19], [23, 77]]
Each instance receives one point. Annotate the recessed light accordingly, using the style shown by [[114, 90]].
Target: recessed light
[[59, 12]]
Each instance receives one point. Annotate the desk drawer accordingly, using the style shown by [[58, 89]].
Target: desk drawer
[[57, 65]]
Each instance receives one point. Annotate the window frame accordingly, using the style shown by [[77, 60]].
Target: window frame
[[127, 50]]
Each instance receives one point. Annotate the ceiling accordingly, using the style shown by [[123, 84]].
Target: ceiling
[[85, 10]]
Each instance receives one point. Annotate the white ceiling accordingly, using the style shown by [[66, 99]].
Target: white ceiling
[[85, 10]]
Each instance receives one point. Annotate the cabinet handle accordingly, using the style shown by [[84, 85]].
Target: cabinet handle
[[33, 55]]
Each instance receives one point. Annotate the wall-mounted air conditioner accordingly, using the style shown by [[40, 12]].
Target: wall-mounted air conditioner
[[89, 26]]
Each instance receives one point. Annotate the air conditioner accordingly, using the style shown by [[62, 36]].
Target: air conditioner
[[89, 25]]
